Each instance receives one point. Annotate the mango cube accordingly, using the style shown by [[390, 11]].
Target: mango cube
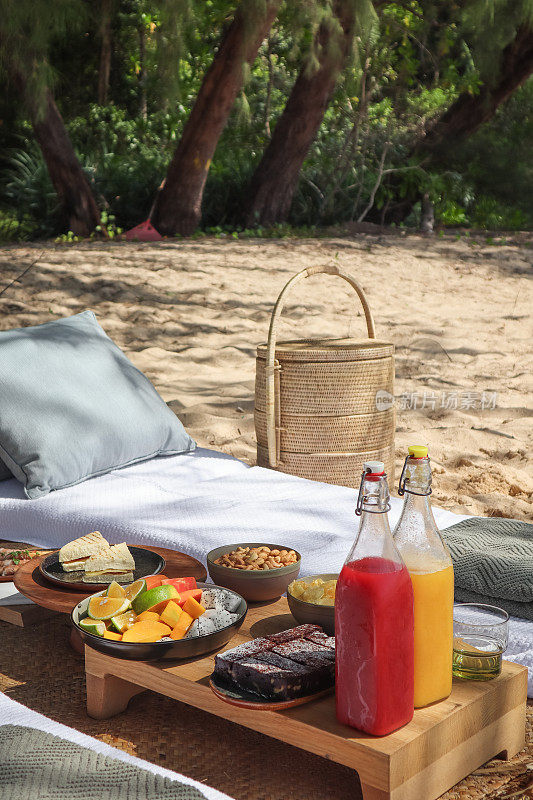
[[184, 623], [146, 632], [171, 614], [193, 607], [117, 637], [148, 616]]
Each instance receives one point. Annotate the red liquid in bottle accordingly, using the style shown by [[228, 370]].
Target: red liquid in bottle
[[374, 645]]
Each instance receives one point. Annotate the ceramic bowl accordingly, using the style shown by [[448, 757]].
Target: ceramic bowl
[[153, 651], [311, 612], [255, 585]]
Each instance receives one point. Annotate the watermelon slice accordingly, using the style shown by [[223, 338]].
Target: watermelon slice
[[181, 584], [196, 593], [155, 580]]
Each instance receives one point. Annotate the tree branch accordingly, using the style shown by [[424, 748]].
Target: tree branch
[[376, 184]]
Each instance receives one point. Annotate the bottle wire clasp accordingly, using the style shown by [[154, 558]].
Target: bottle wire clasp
[[361, 497], [403, 481], [359, 504]]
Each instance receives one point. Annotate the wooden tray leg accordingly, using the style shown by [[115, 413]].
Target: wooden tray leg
[[514, 738], [107, 695]]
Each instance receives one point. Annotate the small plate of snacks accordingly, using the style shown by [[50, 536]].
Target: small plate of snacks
[[91, 562], [255, 570], [12, 558], [159, 618], [312, 600], [279, 671]]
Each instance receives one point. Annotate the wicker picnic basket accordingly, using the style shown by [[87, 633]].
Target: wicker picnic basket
[[324, 406]]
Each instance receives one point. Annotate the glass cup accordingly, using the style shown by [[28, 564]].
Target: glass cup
[[480, 635]]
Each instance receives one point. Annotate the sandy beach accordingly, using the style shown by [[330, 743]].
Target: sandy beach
[[191, 313]]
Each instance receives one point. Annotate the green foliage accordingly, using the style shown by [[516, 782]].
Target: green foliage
[[67, 238], [13, 229], [407, 68], [29, 29], [28, 195]]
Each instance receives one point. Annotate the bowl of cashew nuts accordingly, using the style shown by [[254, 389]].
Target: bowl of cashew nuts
[[255, 570]]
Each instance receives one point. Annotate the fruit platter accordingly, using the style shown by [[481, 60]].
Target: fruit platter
[[159, 618]]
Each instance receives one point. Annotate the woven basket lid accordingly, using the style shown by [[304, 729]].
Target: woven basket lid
[[329, 350]]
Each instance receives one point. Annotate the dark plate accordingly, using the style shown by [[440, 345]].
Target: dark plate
[[154, 651], [146, 563], [236, 696]]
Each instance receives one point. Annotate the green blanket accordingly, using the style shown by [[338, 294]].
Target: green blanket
[[493, 563], [35, 765]]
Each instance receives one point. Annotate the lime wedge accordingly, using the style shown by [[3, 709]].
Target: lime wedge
[[134, 589], [115, 590], [124, 621], [92, 626], [157, 596]]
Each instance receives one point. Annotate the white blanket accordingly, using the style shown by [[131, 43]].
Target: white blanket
[[12, 713], [199, 501]]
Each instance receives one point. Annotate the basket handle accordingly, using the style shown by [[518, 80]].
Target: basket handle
[[271, 366]]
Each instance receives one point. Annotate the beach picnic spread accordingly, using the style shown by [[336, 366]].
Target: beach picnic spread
[[209, 486], [375, 667]]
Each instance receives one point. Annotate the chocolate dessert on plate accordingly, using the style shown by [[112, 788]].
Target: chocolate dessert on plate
[[283, 666]]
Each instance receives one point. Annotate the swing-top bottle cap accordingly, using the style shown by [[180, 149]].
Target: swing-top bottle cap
[[417, 451], [375, 467]]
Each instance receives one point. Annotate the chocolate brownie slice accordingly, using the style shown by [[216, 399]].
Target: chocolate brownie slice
[[268, 680], [224, 661], [303, 651], [313, 680], [319, 637], [294, 633]]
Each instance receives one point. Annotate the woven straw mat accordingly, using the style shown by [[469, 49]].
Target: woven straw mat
[[40, 670]]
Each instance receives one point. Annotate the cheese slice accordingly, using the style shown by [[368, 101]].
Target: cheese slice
[[72, 566], [107, 572]]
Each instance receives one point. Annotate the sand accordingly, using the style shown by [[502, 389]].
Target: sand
[[191, 313]]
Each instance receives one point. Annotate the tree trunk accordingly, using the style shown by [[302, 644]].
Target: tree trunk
[[469, 111], [270, 85], [105, 52], [178, 205], [276, 178], [66, 174], [143, 99]]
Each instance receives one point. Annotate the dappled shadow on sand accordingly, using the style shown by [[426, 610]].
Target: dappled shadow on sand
[[190, 315]]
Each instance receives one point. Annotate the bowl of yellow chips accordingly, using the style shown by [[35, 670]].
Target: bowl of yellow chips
[[312, 600]]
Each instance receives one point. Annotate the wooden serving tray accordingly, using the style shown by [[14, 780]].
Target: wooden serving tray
[[440, 746]]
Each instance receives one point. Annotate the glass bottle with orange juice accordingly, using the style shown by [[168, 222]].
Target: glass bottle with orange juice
[[430, 567]]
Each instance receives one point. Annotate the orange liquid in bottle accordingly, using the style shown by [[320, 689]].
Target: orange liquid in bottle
[[433, 603]]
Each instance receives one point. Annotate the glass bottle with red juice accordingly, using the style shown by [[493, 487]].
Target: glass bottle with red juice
[[374, 621]]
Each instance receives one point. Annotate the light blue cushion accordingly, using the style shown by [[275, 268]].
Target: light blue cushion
[[72, 406]]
